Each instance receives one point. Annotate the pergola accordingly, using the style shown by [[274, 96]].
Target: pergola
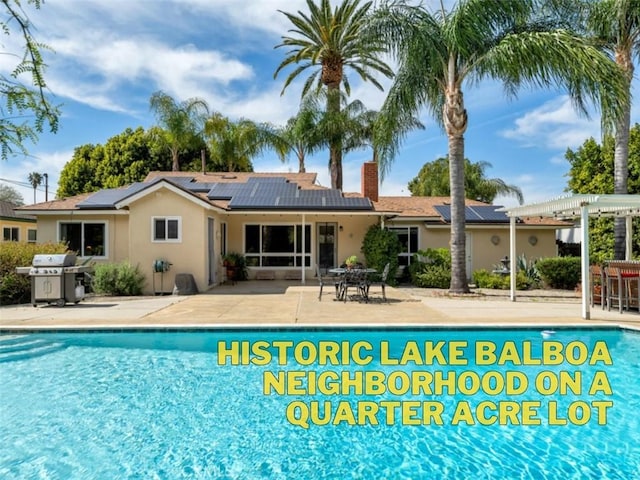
[[571, 207]]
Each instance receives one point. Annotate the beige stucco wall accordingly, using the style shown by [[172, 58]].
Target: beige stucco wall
[[22, 226], [189, 255], [117, 232], [483, 252]]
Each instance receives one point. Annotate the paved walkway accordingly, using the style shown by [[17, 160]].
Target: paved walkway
[[272, 303]]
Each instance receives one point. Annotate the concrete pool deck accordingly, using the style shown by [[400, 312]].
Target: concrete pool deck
[[274, 303]]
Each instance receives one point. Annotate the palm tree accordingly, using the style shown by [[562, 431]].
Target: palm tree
[[182, 122], [300, 134], [433, 180], [329, 40], [616, 27], [477, 40], [35, 179], [232, 145]]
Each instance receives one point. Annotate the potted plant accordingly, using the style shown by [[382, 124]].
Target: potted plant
[[236, 266], [351, 261]]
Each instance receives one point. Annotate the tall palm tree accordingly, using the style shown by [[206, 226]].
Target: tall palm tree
[[232, 145], [182, 122], [35, 179], [328, 41], [483, 39], [616, 26]]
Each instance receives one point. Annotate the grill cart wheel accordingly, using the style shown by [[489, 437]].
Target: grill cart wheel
[[60, 302]]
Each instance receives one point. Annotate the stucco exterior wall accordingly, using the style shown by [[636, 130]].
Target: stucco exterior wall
[[187, 255], [117, 228], [22, 226]]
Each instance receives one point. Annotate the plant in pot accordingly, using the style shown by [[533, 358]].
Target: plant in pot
[[351, 261], [236, 266]]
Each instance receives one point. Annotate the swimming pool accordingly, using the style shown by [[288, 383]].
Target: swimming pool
[[171, 405]]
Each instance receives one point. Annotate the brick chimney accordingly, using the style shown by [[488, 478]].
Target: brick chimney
[[369, 179]]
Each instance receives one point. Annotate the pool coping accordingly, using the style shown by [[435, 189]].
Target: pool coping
[[137, 328]]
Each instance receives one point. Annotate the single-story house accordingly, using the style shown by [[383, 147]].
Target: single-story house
[[190, 220], [16, 226]]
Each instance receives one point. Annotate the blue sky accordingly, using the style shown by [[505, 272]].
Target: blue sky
[[109, 56]]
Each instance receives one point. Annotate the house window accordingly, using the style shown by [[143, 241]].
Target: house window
[[166, 229], [277, 245], [32, 235], [408, 237], [89, 239], [223, 238], [11, 234]]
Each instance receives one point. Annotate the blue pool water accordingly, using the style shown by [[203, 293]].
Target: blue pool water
[[159, 406]]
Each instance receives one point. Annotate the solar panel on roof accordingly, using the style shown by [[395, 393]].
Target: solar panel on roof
[[108, 198], [475, 213]]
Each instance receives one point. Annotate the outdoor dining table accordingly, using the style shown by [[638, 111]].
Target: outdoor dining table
[[352, 277]]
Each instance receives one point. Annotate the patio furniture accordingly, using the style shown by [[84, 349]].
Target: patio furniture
[[615, 288], [626, 283], [322, 281], [355, 278], [598, 284], [382, 283]]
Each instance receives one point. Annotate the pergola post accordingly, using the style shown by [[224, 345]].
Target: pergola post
[[304, 253], [627, 237], [512, 258], [584, 255]]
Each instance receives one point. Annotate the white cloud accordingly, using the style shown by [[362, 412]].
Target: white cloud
[[555, 125]]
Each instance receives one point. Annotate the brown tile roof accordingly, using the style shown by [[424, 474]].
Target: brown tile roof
[[416, 206], [67, 203], [7, 211]]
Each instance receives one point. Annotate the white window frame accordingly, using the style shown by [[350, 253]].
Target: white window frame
[[294, 254], [11, 230], [166, 219], [104, 223], [35, 232]]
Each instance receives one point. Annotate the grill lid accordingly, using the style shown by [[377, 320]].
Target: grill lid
[[54, 260]]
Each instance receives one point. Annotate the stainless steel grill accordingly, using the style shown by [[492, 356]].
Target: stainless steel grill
[[55, 278]]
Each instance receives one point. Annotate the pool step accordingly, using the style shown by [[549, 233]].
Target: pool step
[[18, 347]]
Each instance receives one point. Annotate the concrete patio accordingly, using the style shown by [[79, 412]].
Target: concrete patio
[[279, 303]]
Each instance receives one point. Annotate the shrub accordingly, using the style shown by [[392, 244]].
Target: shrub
[[381, 246], [118, 279], [560, 272], [486, 279], [431, 268], [530, 270], [16, 288], [237, 262]]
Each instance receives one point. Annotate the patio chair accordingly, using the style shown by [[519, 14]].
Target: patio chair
[[598, 284], [383, 281], [355, 278], [322, 282], [615, 288]]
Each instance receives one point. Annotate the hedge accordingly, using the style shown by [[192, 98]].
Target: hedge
[[560, 272]]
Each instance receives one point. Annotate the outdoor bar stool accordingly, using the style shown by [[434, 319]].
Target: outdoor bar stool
[[615, 287], [630, 273], [598, 284]]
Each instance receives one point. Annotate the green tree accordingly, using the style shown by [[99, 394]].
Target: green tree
[[328, 41], [591, 171], [433, 180], [35, 179], [477, 40], [182, 123], [232, 145], [616, 26], [79, 174], [20, 99], [300, 134], [10, 194]]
